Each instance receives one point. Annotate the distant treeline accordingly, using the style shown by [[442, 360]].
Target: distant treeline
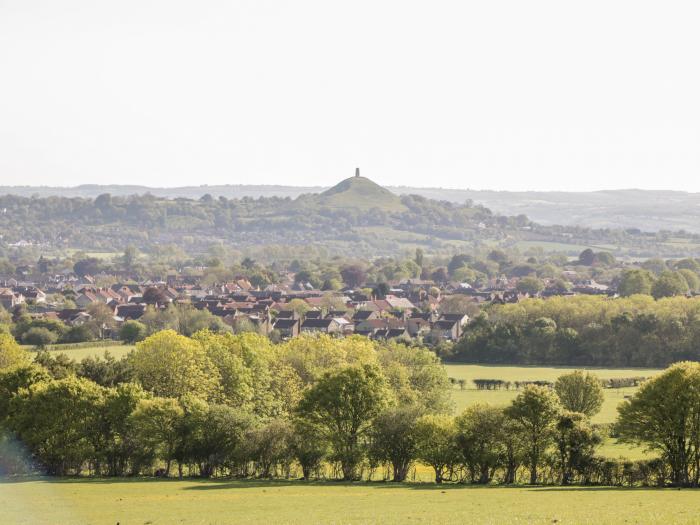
[[636, 331]]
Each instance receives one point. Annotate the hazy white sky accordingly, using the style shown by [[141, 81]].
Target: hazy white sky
[[472, 94]]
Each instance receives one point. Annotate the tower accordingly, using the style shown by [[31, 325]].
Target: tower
[[357, 172]]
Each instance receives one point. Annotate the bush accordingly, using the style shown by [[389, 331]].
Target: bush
[[132, 331], [39, 337]]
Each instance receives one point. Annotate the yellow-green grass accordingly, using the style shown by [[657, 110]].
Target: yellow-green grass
[[613, 396], [81, 353], [94, 501]]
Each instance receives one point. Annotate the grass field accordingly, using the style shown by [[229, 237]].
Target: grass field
[[80, 353], [152, 502], [608, 414]]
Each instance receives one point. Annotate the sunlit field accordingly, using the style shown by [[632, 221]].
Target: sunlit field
[[78, 354], [613, 396], [94, 501]]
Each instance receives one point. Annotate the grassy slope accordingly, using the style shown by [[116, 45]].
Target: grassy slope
[[360, 193], [153, 502]]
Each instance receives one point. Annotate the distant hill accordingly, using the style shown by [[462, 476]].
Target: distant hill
[[645, 210], [360, 193], [356, 217]]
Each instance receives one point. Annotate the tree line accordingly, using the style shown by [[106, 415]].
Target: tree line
[[224, 405], [635, 331]]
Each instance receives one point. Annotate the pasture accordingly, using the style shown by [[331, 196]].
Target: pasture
[[156, 502], [613, 396], [79, 353]]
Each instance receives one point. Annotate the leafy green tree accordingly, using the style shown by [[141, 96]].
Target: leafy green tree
[[531, 285], [14, 378], [637, 281], [308, 446], [243, 364], [664, 415], [56, 421], [535, 409], [11, 354], [576, 441], [691, 278], [343, 405], [436, 443], [215, 435], [172, 365], [39, 337], [393, 439], [132, 331], [416, 376], [113, 436], [156, 423], [479, 436], [580, 392], [669, 284]]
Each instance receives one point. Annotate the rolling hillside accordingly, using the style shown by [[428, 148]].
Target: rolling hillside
[[360, 193]]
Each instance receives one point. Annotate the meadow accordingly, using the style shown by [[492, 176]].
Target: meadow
[[79, 353], [156, 502], [613, 396]]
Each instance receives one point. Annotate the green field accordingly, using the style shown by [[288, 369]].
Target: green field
[[95, 501], [608, 414], [92, 351]]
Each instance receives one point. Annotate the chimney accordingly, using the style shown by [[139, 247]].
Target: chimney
[[357, 172]]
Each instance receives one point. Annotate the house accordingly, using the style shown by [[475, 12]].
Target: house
[[287, 327], [462, 318], [448, 330], [10, 299], [326, 326], [130, 311], [365, 315]]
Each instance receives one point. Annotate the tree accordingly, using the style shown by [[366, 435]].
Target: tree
[[579, 392], [664, 415], [343, 405], [535, 409], [132, 331], [308, 447], [530, 285], [55, 420], [39, 337], [479, 430], [11, 354], [214, 435], [172, 365], [636, 281], [669, 284], [420, 255], [575, 441], [87, 266], [14, 378], [155, 296], [586, 257], [353, 276], [102, 318], [157, 425], [129, 257], [436, 443], [394, 439]]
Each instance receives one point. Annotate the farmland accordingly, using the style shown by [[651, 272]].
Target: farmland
[[80, 352], [100, 501], [469, 395]]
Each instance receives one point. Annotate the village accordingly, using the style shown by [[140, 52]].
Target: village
[[408, 309]]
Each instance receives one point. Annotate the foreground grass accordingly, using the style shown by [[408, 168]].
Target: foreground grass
[[229, 502]]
